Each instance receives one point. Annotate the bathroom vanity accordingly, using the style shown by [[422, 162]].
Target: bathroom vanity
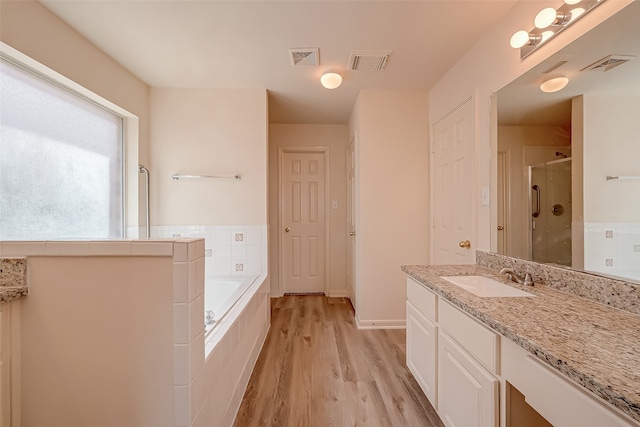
[[550, 358]]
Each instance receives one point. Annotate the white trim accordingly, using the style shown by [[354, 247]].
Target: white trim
[[325, 151]]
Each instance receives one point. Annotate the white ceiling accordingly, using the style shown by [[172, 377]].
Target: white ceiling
[[244, 44], [523, 103]]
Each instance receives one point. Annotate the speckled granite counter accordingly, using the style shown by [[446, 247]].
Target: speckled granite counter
[[595, 345], [13, 278]]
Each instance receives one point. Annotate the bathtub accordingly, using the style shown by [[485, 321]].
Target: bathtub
[[220, 295]]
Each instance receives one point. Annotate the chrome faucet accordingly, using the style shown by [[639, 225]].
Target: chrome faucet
[[511, 275]]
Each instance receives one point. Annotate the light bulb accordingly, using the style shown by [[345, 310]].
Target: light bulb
[[545, 17], [572, 1], [575, 13], [553, 85], [331, 80], [519, 39], [545, 35]]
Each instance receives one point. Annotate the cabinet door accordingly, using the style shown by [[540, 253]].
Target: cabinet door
[[422, 351], [467, 392]]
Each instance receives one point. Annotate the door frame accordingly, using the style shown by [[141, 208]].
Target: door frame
[[352, 188], [325, 151]]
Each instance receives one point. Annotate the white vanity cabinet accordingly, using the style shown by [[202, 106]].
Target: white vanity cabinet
[[444, 347], [422, 338], [468, 391], [475, 377]]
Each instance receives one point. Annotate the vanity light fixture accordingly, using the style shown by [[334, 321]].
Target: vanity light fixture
[[549, 22], [549, 16], [554, 84], [331, 80]]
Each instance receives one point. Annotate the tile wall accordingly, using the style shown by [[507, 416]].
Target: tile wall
[[613, 248], [230, 250]]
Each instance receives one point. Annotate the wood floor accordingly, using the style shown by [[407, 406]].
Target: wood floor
[[318, 369]]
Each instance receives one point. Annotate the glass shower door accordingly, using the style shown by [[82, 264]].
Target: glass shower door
[[550, 203]]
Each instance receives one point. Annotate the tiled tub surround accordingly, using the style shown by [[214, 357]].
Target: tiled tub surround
[[138, 297], [230, 250], [596, 346], [13, 278], [615, 293]]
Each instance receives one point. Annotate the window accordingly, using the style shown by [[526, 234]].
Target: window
[[61, 162]]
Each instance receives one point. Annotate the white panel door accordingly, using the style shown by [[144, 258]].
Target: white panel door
[[454, 209], [303, 222], [351, 222]]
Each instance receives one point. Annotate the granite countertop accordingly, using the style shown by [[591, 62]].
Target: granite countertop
[[13, 278], [595, 345]]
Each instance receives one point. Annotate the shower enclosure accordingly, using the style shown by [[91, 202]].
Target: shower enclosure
[[550, 207]]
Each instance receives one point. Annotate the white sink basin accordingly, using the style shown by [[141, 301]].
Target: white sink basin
[[485, 287]]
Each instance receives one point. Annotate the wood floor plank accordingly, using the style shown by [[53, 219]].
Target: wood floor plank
[[327, 384], [366, 406], [317, 369], [264, 377]]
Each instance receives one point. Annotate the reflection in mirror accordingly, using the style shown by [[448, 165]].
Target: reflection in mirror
[[556, 150]]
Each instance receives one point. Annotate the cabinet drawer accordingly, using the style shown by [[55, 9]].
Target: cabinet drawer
[[479, 341], [422, 298]]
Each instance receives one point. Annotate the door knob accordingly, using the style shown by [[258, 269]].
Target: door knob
[[352, 233], [287, 229], [465, 244], [500, 228]]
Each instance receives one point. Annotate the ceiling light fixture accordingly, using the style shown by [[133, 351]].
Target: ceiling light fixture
[[331, 80], [554, 84], [549, 22]]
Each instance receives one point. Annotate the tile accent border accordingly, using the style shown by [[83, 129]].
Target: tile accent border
[[611, 292]]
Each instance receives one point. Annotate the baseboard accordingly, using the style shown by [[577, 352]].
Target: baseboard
[[381, 324], [342, 293]]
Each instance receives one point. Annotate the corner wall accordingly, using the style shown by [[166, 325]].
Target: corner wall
[[392, 213]]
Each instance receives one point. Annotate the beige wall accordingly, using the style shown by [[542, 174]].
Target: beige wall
[[33, 30], [487, 67], [334, 137], [611, 147], [211, 132], [392, 164], [88, 346]]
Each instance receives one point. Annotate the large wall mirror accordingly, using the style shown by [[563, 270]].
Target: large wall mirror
[[569, 161]]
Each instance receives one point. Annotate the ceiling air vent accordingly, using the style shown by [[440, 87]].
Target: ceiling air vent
[[368, 60], [608, 63], [301, 57]]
